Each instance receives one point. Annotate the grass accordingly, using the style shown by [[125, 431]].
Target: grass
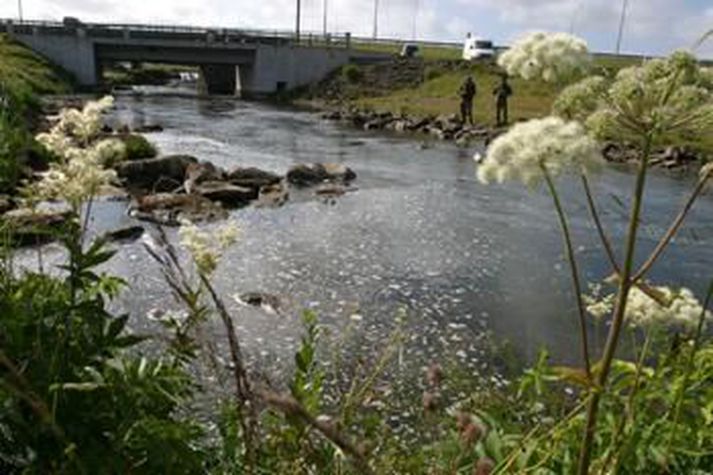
[[439, 96], [20, 68], [429, 53]]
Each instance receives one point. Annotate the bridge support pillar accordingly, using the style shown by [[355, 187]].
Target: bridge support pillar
[[218, 79]]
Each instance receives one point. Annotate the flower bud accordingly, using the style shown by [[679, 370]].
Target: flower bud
[[471, 434], [485, 466], [434, 375], [430, 401]]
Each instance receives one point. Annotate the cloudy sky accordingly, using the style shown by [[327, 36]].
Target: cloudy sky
[[653, 26]]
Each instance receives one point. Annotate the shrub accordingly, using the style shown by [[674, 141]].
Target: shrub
[[352, 73], [138, 147]]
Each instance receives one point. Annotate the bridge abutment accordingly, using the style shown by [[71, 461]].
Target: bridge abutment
[[218, 79]]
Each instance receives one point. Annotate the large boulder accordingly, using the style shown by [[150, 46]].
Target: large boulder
[[157, 174], [226, 193], [170, 208], [308, 174], [252, 177], [27, 227], [197, 173]]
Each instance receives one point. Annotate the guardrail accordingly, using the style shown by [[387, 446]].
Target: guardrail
[[207, 33]]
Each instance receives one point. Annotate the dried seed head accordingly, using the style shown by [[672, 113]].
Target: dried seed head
[[485, 466], [430, 401], [434, 375], [471, 434], [462, 420]]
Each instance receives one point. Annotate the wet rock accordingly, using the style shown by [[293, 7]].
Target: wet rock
[[268, 302], [332, 115], [226, 193], [197, 173], [127, 234], [315, 173], [333, 190], [144, 129], [169, 208], [273, 195], [29, 227], [252, 177], [158, 174]]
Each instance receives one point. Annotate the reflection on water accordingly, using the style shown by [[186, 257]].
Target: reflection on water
[[420, 234]]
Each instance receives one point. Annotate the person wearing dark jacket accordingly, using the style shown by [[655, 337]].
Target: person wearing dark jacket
[[467, 92], [502, 92]]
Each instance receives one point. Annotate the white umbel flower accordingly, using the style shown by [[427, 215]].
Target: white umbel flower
[[552, 143], [552, 57], [206, 248]]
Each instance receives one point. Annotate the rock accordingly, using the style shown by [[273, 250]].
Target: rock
[[268, 302], [169, 208], [273, 195], [252, 177], [314, 173], [130, 233], [332, 190], [332, 115], [158, 174], [29, 227], [197, 173], [145, 129], [226, 193]]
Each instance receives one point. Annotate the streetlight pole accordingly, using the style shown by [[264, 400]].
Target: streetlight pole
[[299, 18], [415, 20], [325, 4], [622, 20], [376, 19], [19, 9]]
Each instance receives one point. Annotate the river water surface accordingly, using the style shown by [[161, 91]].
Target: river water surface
[[420, 234]]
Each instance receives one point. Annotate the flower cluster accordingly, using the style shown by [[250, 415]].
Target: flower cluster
[[205, 248], [580, 99], [553, 57], [670, 307], [529, 148], [80, 171], [666, 96]]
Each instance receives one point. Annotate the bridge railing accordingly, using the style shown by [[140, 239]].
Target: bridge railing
[[154, 31]]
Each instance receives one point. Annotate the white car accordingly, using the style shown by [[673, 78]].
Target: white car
[[478, 48]]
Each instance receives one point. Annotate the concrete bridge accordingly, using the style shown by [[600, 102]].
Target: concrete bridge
[[231, 61]]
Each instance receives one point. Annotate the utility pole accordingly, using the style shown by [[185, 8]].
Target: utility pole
[[19, 9], [376, 19], [299, 17], [621, 26], [325, 4], [415, 20]]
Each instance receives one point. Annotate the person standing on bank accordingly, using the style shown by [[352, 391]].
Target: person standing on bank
[[467, 92], [502, 92]]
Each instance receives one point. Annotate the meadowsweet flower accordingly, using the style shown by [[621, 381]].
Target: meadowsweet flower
[[549, 56], [707, 170], [206, 249], [598, 306], [80, 171], [551, 143]]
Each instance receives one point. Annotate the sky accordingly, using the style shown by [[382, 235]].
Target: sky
[[653, 27]]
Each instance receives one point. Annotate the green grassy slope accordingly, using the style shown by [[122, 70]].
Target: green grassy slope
[[21, 69]]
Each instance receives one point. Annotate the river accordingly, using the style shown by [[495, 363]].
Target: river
[[421, 234]]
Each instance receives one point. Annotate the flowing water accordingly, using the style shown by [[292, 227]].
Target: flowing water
[[420, 236]]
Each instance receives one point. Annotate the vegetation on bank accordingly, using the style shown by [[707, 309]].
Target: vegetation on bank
[[23, 76]]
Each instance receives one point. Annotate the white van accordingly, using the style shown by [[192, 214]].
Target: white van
[[477, 48]]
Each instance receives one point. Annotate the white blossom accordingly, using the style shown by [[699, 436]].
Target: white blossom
[[670, 307], [707, 170], [80, 170], [580, 99], [553, 57], [206, 248], [552, 143]]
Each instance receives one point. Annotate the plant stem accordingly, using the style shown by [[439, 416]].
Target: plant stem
[[573, 267], [625, 285], [598, 223], [687, 374], [629, 408], [672, 230]]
